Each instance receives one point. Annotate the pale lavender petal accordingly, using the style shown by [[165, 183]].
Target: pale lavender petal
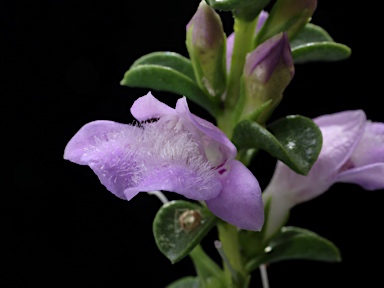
[[261, 20], [296, 188], [103, 145], [366, 164], [76, 149], [240, 202], [148, 107], [218, 147], [169, 158], [341, 134], [229, 51], [370, 177], [371, 146], [179, 179]]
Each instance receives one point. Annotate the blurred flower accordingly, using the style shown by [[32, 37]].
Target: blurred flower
[[352, 152], [170, 150]]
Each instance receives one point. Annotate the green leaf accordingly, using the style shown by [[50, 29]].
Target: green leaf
[[168, 59], [296, 243], [310, 34], [320, 51], [185, 282], [179, 226], [167, 79], [251, 11], [294, 140]]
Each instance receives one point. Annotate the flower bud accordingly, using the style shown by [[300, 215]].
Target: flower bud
[[206, 47], [267, 72]]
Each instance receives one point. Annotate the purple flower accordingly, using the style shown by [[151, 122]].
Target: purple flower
[[352, 152], [170, 150]]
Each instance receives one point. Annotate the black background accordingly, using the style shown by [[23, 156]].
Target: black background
[[62, 62]]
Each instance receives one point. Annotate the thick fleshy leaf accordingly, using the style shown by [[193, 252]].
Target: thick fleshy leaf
[[320, 51], [167, 79], [296, 243], [179, 226], [185, 282], [168, 59], [310, 34], [294, 140]]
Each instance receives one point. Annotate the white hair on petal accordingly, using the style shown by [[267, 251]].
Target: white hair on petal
[[133, 153]]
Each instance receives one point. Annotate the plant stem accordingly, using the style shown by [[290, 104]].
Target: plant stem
[[244, 32], [204, 265], [264, 275], [228, 236]]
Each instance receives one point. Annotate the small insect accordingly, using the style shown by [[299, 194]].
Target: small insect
[[189, 220]]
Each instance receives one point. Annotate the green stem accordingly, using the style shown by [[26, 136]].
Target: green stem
[[205, 266], [228, 236], [244, 34]]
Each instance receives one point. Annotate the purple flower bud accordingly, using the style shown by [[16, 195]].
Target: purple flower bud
[[352, 152], [267, 72], [179, 152], [206, 47]]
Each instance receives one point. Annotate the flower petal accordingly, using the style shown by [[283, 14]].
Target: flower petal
[[75, 151], [240, 202], [370, 177], [341, 133], [371, 146], [217, 146], [261, 20], [103, 146], [168, 157], [148, 107], [229, 51], [178, 179]]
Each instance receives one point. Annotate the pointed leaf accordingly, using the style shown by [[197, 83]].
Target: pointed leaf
[[294, 140], [179, 226], [320, 51], [167, 79], [310, 34], [185, 282], [296, 243], [168, 59]]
